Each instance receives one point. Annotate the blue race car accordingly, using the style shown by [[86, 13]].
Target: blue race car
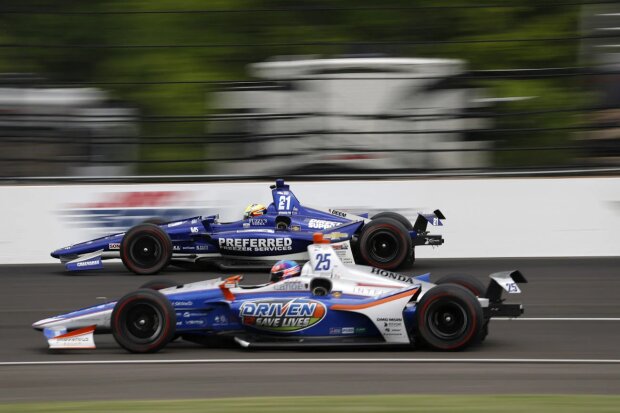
[[283, 230], [323, 303]]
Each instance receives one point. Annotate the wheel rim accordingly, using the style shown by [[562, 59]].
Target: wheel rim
[[447, 320], [383, 246], [144, 322], [145, 251]]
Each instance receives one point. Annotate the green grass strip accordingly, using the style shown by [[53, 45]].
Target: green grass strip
[[341, 404]]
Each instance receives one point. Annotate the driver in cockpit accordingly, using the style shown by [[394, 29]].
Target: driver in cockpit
[[284, 269], [254, 210]]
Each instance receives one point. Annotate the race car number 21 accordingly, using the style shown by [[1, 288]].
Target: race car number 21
[[323, 262], [284, 203]]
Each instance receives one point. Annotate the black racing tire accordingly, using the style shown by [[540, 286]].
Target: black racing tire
[[469, 282], [476, 287], [143, 321], [384, 243], [449, 318], [396, 217], [159, 284], [146, 249]]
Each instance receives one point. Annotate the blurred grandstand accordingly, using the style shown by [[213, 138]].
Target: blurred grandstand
[[274, 88]]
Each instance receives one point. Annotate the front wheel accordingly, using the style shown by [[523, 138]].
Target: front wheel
[[449, 318], [143, 321], [384, 243], [146, 249]]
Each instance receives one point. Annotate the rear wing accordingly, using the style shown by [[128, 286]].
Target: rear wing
[[424, 219], [503, 281]]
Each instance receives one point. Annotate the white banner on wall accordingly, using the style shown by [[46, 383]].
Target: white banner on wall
[[485, 217]]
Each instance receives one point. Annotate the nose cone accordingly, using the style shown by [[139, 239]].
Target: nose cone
[[41, 324]]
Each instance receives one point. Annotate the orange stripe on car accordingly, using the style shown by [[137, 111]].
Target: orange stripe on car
[[79, 332], [373, 303]]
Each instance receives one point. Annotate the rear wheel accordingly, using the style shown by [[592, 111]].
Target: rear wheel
[[404, 221], [396, 217], [476, 287], [146, 249], [449, 318], [472, 284], [384, 243], [143, 321]]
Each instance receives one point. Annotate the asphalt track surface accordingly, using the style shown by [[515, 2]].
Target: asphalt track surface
[[568, 342]]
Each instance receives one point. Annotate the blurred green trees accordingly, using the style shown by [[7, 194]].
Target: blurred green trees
[[112, 41]]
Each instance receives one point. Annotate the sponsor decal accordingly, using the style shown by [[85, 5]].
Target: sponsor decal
[[88, 263], [220, 320], [396, 320], [370, 291], [186, 314], [321, 224], [261, 230], [176, 248], [295, 228], [291, 286], [256, 244], [348, 330], [182, 303], [392, 275], [337, 213], [335, 331], [258, 221], [392, 326], [194, 230], [114, 246], [194, 322], [78, 339], [282, 315], [336, 235], [360, 330]]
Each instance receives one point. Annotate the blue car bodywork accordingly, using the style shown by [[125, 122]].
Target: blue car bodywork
[[283, 232]]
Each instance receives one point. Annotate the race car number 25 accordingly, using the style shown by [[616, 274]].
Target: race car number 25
[[323, 262]]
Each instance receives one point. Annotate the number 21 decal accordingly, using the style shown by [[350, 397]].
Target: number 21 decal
[[284, 203]]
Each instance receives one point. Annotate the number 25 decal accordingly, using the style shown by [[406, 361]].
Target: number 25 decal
[[512, 288], [323, 262]]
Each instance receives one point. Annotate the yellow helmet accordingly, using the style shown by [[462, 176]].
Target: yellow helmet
[[254, 210]]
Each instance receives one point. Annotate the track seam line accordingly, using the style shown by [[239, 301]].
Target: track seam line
[[313, 360]]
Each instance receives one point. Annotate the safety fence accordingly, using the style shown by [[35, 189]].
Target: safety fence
[[570, 121]]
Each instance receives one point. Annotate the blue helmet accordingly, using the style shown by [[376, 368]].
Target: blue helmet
[[284, 269]]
